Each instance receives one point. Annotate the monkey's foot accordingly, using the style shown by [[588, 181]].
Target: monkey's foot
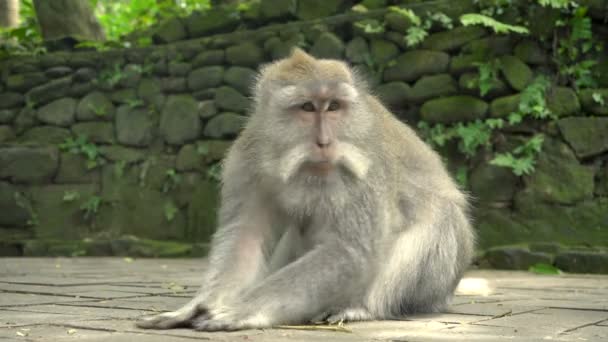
[[346, 315]]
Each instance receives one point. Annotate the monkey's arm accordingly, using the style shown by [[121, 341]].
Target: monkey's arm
[[299, 291], [236, 260]]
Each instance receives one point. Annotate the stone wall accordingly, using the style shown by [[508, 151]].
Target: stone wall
[[112, 152]]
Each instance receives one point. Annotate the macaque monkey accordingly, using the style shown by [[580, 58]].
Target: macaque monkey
[[331, 209]]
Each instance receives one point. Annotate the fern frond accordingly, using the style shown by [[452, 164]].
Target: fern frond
[[498, 27]]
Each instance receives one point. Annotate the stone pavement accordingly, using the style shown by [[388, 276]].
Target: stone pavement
[[97, 299]]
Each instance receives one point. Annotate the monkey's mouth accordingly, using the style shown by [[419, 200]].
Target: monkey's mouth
[[321, 168]]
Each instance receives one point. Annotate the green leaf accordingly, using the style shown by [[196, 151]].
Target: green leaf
[[498, 27], [598, 98], [170, 211], [415, 35], [462, 176], [370, 26], [359, 9], [70, 196], [202, 149], [541, 268], [407, 13], [442, 19], [555, 3]]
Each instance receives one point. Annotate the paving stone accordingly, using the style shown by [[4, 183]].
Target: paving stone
[[98, 299], [19, 299], [553, 320]]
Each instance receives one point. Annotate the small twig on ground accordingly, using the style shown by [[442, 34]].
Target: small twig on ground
[[338, 328]]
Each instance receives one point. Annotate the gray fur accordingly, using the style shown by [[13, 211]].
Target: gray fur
[[385, 235]]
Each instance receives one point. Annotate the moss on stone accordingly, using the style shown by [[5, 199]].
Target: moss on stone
[[413, 64], [453, 109], [453, 39], [516, 72], [559, 177], [503, 106], [587, 136], [246, 54], [562, 101], [530, 51], [383, 51], [394, 94], [314, 9], [594, 105], [428, 87], [465, 63], [357, 50], [328, 45]]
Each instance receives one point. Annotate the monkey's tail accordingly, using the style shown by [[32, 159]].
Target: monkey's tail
[[474, 287]]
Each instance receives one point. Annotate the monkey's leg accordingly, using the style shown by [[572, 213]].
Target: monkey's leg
[[423, 266], [327, 276], [236, 261]]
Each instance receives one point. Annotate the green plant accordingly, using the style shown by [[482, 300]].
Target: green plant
[[119, 18], [532, 102], [134, 103], [415, 35], [99, 111], [522, 160], [24, 39], [70, 195], [111, 76], [22, 202], [488, 75], [484, 20], [172, 180], [119, 168], [202, 149], [170, 211], [544, 269], [598, 98], [419, 28], [90, 207], [575, 43], [556, 3], [477, 134], [473, 135], [214, 172], [370, 26], [81, 145], [462, 176]]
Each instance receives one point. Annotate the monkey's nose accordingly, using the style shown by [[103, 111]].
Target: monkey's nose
[[323, 144]]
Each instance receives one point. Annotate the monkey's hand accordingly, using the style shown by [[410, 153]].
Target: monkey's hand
[[229, 318], [345, 315], [173, 319]]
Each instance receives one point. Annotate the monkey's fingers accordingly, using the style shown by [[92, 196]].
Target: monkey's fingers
[[168, 320]]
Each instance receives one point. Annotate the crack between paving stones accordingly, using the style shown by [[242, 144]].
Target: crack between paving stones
[[582, 309], [143, 332], [141, 295], [54, 285], [558, 290], [504, 314], [581, 326], [107, 307]]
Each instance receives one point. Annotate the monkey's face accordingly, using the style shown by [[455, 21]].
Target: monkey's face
[[314, 120], [317, 124]]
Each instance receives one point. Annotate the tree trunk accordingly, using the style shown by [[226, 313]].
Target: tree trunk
[[60, 19], [9, 13]]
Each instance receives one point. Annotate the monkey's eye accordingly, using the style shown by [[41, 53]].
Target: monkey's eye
[[333, 106], [308, 107]]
